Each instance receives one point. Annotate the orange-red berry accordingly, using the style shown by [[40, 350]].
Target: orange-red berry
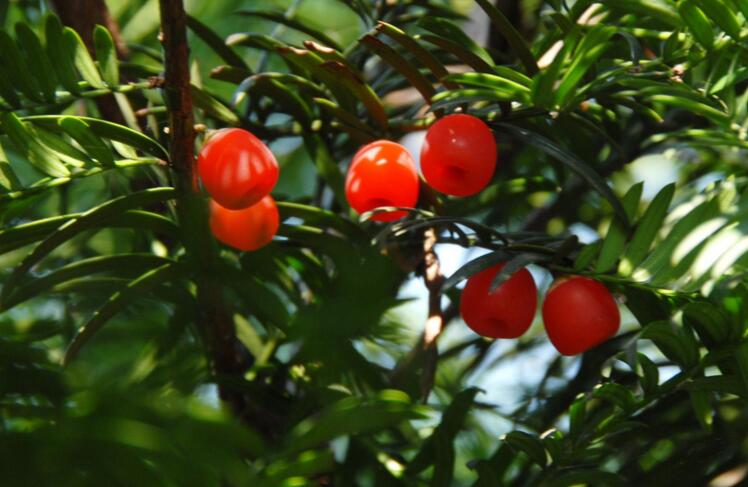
[[505, 313], [579, 313], [382, 173], [237, 169], [248, 228], [459, 155]]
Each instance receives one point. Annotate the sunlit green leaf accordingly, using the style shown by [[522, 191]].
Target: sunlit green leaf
[[106, 55]]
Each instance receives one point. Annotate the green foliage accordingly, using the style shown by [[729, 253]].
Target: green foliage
[[109, 376]]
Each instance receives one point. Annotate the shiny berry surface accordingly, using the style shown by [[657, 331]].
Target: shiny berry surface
[[459, 155], [382, 173], [505, 313], [237, 169], [579, 313], [248, 228]]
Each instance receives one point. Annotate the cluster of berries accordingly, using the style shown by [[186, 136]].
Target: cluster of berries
[[458, 158], [578, 313], [239, 172]]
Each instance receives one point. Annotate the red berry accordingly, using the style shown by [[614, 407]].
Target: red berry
[[248, 228], [459, 155], [579, 313], [505, 313], [382, 173], [236, 168]]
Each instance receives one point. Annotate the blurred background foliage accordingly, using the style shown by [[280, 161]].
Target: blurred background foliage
[[622, 134]]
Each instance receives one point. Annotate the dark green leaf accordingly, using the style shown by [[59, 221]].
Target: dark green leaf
[[106, 55], [216, 43], [293, 24], [589, 49], [741, 358], [649, 374], [588, 478], [615, 239], [697, 23], [326, 166], [673, 343], [473, 267], [8, 179], [701, 402], [360, 89], [515, 264], [319, 217], [468, 95], [544, 82], [717, 116], [16, 68], [85, 221], [570, 160], [448, 30], [7, 91], [38, 60], [646, 230], [81, 132], [83, 61], [719, 383], [529, 444], [587, 255], [710, 322], [62, 54], [616, 394], [659, 261], [119, 301], [444, 434], [721, 12], [108, 130], [62, 147], [38, 154], [460, 51], [517, 88], [277, 90], [349, 122], [353, 415], [412, 46], [212, 107], [656, 9], [742, 7], [401, 65], [513, 37], [113, 263]]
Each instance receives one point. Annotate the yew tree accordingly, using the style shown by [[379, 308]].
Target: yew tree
[[136, 348]]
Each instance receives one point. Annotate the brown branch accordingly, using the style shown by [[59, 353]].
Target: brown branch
[[433, 279], [177, 89], [229, 360]]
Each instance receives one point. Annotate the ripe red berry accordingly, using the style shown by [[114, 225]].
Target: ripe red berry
[[579, 313], [459, 155], [382, 173], [248, 228], [505, 313], [236, 168]]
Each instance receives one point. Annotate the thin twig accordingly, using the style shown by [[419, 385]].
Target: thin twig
[[433, 279]]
